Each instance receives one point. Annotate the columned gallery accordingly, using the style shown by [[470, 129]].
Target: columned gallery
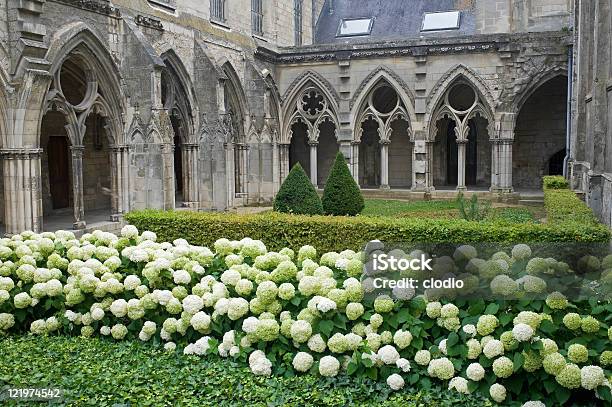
[[118, 109]]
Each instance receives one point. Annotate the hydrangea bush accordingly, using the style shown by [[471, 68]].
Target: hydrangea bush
[[293, 313]]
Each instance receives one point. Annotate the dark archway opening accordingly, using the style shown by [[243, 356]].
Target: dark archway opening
[[539, 135], [555, 164], [299, 150], [369, 155], [326, 151]]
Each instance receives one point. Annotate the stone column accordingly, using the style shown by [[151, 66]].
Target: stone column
[[283, 154], [313, 162], [125, 178], [384, 164], [167, 152], [501, 175], [191, 178], [230, 174], [461, 146], [355, 160], [275, 167], [77, 187], [116, 168], [22, 190]]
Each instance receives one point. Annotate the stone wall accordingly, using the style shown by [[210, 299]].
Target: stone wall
[[591, 147]]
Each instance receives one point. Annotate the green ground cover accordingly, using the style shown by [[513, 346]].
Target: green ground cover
[[102, 372]]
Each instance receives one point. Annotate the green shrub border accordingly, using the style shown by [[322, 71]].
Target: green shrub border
[[555, 182], [570, 220]]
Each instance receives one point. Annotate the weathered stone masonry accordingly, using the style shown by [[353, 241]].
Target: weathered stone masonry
[[110, 107]]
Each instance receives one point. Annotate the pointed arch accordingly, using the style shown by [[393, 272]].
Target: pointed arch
[[534, 84], [78, 38], [291, 110], [382, 73], [188, 101], [458, 74], [237, 95], [305, 79]]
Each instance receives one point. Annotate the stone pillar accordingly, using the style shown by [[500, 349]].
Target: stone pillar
[[461, 146], [283, 154], [167, 153], [77, 187], [191, 175], [384, 164], [22, 190], [276, 170], [355, 160], [230, 174], [313, 162], [116, 168], [501, 175], [421, 166], [125, 178]]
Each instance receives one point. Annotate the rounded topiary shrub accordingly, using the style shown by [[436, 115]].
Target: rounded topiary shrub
[[342, 195], [297, 194]]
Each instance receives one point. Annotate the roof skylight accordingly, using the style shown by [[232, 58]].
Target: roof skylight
[[355, 26], [448, 20]]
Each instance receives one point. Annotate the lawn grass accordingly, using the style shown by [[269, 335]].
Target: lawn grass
[[388, 207], [103, 372], [447, 209]]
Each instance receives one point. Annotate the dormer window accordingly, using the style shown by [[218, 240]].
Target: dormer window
[[351, 27], [448, 20]]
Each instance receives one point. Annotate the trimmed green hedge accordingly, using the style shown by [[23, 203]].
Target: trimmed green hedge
[[335, 233], [555, 182], [102, 372], [563, 207]]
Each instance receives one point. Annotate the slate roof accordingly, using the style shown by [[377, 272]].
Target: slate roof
[[393, 19]]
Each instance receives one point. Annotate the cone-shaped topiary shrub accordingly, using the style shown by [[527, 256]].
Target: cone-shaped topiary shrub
[[342, 195], [297, 194]]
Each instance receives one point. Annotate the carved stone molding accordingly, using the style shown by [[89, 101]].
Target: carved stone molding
[[149, 22], [96, 6]]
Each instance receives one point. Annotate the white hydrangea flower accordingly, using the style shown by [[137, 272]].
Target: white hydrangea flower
[[325, 305], [442, 368], [302, 361], [459, 384], [119, 308], [97, 314], [329, 366], [493, 348], [181, 277], [442, 346], [469, 329], [522, 332], [105, 330], [533, 404], [250, 324], [388, 354], [475, 372], [316, 343], [192, 304], [395, 381], [129, 231], [260, 365], [131, 282], [422, 357], [403, 364], [592, 377], [497, 392]]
